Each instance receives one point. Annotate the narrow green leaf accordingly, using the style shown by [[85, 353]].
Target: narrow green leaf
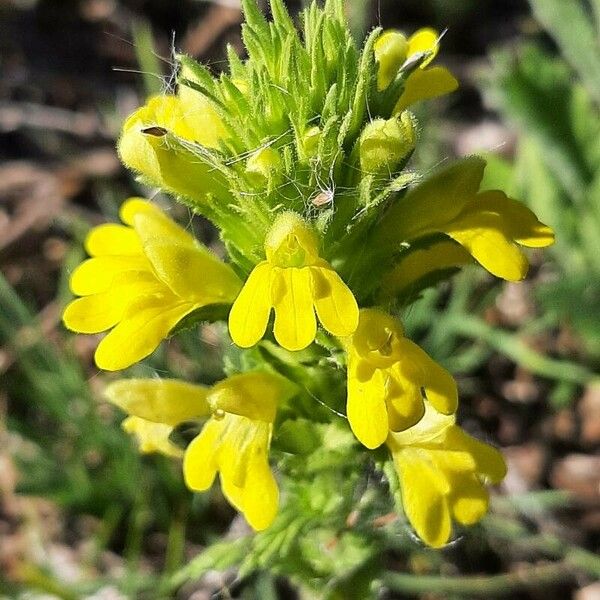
[[219, 556], [254, 18], [236, 66], [536, 93], [366, 76], [143, 42], [596, 9], [282, 18], [568, 23]]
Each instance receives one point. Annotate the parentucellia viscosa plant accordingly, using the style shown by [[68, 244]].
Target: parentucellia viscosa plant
[[298, 156]]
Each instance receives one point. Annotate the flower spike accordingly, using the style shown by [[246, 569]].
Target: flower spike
[[295, 282]]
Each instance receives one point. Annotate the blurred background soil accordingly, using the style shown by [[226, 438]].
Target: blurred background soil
[[70, 72]]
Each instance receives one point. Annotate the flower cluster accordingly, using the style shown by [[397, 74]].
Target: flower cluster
[[297, 155]]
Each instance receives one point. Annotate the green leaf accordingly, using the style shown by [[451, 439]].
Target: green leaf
[[281, 18], [298, 436], [535, 91], [576, 298], [143, 43], [366, 77], [569, 24], [220, 556], [596, 9], [254, 18], [205, 314]]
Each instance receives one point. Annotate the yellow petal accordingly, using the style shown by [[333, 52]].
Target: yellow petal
[[193, 274], [366, 408], [430, 431], [377, 338], [249, 314], [151, 437], [237, 442], [197, 110], [448, 461], [99, 312], [148, 322], [233, 494], [95, 313], [291, 242], [424, 84], [418, 368], [424, 498], [295, 323], [254, 395], [390, 51], [96, 275], [469, 500], [135, 205], [334, 302], [483, 236], [412, 269], [518, 222], [424, 40], [155, 142], [404, 402], [430, 206], [168, 401], [199, 467], [489, 462], [112, 239], [260, 497], [150, 223]]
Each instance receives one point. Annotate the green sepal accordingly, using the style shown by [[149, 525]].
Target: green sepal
[[205, 314], [298, 436]]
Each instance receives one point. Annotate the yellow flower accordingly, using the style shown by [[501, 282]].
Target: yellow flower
[[233, 442], [157, 139], [142, 279], [489, 225], [152, 437], [155, 407], [442, 473], [417, 266], [393, 50], [295, 282], [387, 376]]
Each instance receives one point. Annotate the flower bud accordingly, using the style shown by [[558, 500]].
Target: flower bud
[[385, 144], [310, 141], [264, 165]]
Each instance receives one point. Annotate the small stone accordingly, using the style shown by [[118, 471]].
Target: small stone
[[579, 474], [563, 425], [589, 412], [589, 592], [525, 467]]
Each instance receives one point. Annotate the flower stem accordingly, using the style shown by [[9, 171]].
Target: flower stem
[[493, 585]]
